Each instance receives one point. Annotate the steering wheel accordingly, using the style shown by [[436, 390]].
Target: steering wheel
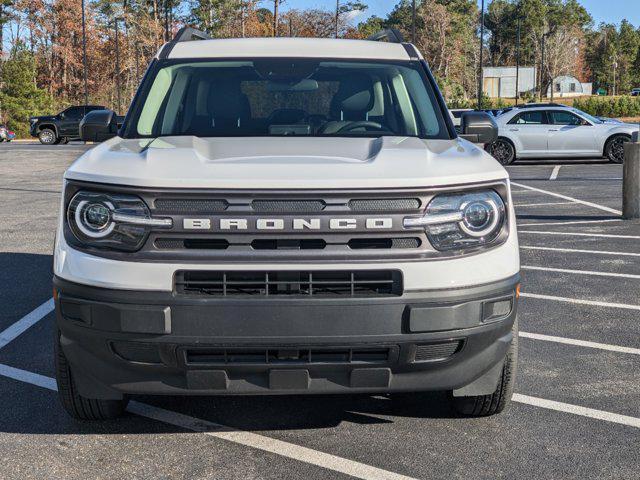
[[362, 124]]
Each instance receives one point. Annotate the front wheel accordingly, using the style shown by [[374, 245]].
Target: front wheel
[[76, 405], [47, 137], [485, 405], [614, 150], [503, 151]]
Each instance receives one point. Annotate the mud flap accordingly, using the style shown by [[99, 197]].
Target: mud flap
[[485, 385]]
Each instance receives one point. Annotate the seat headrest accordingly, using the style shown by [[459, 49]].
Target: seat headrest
[[354, 96], [226, 99]]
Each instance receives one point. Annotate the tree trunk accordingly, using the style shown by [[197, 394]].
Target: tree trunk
[[276, 4]]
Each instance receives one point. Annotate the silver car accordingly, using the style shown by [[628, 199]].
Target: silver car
[[558, 132]]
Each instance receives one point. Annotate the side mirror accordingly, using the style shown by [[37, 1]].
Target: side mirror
[[98, 126], [478, 127]]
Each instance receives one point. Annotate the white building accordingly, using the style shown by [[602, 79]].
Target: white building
[[568, 86], [500, 82]]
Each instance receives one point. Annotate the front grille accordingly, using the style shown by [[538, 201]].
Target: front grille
[[365, 283], [288, 206], [180, 243], [190, 206], [288, 356], [385, 205], [437, 351]]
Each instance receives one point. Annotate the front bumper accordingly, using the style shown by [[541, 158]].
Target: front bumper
[[135, 342]]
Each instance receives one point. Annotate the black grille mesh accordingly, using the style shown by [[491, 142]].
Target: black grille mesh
[[385, 205], [335, 355], [286, 206], [179, 205], [436, 351]]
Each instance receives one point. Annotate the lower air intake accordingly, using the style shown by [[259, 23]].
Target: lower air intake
[[437, 351], [364, 283]]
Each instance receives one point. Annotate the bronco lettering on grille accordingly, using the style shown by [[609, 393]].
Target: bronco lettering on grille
[[262, 224]]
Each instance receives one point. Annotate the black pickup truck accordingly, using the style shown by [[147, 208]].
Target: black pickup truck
[[60, 128]]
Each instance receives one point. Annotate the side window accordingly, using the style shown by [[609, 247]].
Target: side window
[[564, 118], [528, 118], [74, 113]]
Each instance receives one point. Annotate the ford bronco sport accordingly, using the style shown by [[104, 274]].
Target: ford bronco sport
[[286, 216]]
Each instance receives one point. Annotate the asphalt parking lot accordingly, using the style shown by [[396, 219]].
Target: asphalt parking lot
[[576, 412]]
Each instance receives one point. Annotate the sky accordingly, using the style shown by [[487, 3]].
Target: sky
[[610, 11]]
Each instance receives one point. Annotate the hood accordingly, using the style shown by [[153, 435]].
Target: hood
[[286, 163]]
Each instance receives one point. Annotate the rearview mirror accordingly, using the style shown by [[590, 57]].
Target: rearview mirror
[[478, 127], [98, 126]]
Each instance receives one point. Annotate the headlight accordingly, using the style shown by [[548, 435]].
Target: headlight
[[462, 221], [115, 221]]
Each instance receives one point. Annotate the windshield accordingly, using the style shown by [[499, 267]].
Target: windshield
[[277, 97], [591, 118]]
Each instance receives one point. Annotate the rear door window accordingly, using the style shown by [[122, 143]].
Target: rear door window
[[537, 117]]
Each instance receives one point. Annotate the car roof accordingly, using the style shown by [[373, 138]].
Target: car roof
[[290, 48]]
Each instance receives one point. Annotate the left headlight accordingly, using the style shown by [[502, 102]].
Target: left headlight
[[116, 221], [462, 221]]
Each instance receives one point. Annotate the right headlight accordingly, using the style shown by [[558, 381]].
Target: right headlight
[[462, 221], [115, 221]]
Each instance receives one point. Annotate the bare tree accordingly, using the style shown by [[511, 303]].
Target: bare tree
[[562, 53]]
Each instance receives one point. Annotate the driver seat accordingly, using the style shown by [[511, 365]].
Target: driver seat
[[352, 102]]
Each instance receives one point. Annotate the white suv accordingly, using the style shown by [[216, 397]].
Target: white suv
[[286, 216]]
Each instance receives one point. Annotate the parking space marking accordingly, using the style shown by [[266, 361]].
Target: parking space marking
[[521, 205], [577, 250], [580, 301], [580, 343], [577, 410], [581, 272], [581, 234], [296, 452], [18, 328], [554, 173], [565, 197], [248, 439], [573, 222]]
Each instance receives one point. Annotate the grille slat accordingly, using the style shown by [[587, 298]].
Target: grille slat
[[321, 283], [261, 356], [186, 205], [385, 205], [288, 206], [437, 351]]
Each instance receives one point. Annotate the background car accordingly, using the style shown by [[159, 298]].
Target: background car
[[60, 128], [635, 92], [6, 134], [558, 132]]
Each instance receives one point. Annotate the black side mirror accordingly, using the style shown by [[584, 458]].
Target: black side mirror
[[98, 126], [478, 127]]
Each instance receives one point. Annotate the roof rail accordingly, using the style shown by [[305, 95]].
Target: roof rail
[[188, 34], [391, 35]]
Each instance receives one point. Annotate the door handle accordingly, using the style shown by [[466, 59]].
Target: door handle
[[514, 129], [553, 130]]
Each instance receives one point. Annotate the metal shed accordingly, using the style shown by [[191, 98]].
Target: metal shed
[[500, 82]]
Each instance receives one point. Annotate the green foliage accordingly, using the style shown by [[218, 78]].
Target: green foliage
[[20, 98], [615, 107]]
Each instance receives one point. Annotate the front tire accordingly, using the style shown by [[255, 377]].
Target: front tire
[[614, 149], [485, 405], [503, 151], [47, 137], [79, 407]]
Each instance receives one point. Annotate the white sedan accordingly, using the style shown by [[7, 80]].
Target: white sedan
[[558, 132]]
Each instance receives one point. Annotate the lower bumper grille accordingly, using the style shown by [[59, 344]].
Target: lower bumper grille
[[437, 351], [365, 283], [305, 356]]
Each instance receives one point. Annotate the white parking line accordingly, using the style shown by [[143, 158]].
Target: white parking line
[[296, 452], [521, 205], [581, 272], [580, 343], [576, 250], [569, 223], [249, 439], [565, 197], [554, 173], [581, 301], [15, 330], [580, 234], [577, 410]]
